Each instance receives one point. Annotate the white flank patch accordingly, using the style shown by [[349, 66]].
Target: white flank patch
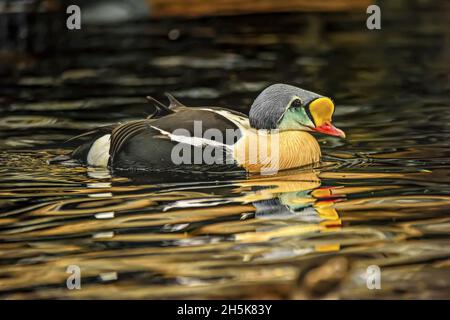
[[98, 155]]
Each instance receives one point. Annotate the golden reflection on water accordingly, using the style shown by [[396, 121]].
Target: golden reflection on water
[[234, 238]]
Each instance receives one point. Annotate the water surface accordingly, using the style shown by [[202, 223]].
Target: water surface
[[380, 197]]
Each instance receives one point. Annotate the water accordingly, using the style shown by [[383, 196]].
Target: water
[[380, 197]]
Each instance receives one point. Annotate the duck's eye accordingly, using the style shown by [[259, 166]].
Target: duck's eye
[[296, 103]]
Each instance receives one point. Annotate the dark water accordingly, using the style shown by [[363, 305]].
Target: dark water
[[381, 197]]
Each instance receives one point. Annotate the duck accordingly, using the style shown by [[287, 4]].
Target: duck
[[276, 135]]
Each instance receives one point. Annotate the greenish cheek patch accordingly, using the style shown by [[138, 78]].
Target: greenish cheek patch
[[295, 119]]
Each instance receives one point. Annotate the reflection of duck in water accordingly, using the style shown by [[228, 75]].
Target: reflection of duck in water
[[291, 206], [282, 206], [294, 196], [280, 119]]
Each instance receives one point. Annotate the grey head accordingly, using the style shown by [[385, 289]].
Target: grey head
[[286, 107], [272, 103]]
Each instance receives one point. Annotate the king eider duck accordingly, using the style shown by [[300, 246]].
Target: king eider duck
[[275, 136]]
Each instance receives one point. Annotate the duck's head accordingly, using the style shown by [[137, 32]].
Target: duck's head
[[286, 107]]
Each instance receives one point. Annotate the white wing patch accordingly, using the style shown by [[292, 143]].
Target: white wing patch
[[194, 141], [241, 122], [98, 155]]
